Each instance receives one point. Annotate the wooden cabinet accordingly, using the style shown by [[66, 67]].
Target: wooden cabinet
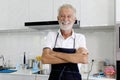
[[97, 13], [118, 11]]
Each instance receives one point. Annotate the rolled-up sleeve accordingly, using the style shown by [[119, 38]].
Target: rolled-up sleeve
[[80, 41], [49, 40]]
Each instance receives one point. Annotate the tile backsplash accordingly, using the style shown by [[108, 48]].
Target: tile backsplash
[[100, 44]]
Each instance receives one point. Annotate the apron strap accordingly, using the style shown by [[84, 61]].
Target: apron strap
[[56, 41], [74, 41], [74, 44]]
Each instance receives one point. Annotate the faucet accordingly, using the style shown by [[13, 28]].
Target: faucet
[[2, 57]]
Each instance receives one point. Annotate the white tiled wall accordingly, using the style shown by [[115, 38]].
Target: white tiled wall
[[13, 45], [100, 44]]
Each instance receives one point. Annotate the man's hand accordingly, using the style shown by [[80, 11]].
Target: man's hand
[[82, 51]]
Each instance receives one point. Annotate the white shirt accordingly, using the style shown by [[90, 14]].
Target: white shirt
[[80, 40]]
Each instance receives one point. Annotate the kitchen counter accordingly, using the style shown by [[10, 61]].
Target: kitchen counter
[[84, 77], [23, 75], [27, 72], [28, 75]]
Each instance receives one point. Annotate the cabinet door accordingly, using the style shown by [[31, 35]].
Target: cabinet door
[[16, 77], [40, 10], [17, 12], [58, 3], [42, 77], [97, 13], [117, 10], [3, 12], [12, 14]]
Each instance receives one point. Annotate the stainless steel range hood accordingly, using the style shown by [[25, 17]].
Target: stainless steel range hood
[[45, 25]]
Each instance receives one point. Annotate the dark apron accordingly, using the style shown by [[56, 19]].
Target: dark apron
[[64, 71]]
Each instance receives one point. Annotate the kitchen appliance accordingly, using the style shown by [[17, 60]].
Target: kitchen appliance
[[45, 25]]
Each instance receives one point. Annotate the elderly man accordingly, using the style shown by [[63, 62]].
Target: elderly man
[[65, 49]]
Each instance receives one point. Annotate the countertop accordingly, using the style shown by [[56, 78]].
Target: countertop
[[28, 72]]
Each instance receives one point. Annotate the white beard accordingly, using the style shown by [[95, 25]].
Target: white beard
[[66, 25]]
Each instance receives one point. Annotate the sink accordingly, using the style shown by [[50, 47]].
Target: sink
[[7, 71]]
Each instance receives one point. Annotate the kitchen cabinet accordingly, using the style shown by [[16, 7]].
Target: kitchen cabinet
[[74, 3], [46, 10], [97, 13], [44, 77], [3, 12], [5, 76], [118, 11], [17, 10], [12, 14], [40, 10], [89, 12], [25, 76]]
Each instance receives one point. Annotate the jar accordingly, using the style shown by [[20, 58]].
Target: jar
[[109, 71]]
